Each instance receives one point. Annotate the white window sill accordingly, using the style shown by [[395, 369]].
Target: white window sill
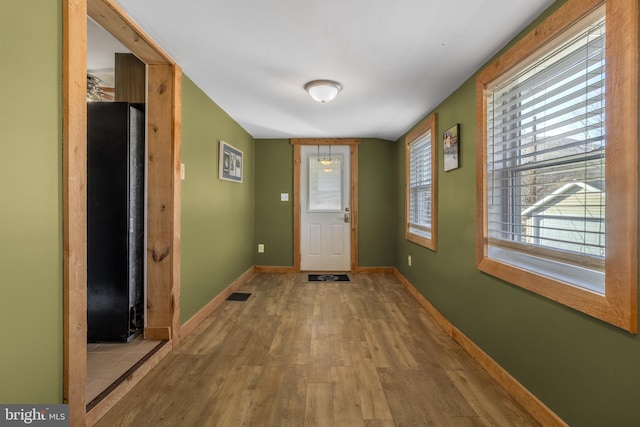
[[584, 278]]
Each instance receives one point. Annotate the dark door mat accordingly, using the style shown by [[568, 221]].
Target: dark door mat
[[328, 278], [238, 296]]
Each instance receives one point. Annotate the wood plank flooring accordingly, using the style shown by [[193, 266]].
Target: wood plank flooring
[[298, 353]]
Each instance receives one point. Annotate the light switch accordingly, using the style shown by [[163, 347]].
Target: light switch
[[182, 171], [284, 197]]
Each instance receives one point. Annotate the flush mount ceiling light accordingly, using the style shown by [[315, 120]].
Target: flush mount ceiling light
[[323, 90]]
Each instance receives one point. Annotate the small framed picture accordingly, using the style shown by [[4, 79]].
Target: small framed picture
[[451, 148], [229, 163]]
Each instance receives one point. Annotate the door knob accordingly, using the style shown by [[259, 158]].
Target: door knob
[[347, 217]]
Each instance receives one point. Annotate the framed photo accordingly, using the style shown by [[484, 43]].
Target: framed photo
[[229, 163], [452, 148]]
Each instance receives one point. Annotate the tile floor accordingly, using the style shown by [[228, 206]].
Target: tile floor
[[106, 362]]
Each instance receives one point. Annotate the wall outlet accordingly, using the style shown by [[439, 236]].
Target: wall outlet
[[261, 248], [409, 260]]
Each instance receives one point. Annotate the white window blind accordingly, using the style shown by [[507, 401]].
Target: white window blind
[[545, 152], [420, 186]]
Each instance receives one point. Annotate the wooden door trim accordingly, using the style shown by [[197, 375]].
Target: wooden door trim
[[163, 201], [354, 144], [74, 180]]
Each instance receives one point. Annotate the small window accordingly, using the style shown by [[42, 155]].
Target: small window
[[421, 184], [554, 190], [325, 183]]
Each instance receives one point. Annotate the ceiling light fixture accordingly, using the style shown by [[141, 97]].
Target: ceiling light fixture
[[323, 90]]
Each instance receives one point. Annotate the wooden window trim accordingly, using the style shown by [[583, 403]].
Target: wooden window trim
[[428, 124], [619, 304]]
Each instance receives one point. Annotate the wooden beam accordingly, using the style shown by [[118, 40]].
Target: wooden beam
[[162, 207], [110, 16], [175, 147], [74, 158], [160, 333]]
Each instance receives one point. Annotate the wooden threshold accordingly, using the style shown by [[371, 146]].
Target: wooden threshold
[[133, 377], [140, 363]]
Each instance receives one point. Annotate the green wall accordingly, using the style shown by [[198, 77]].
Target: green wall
[[274, 218], [377, 209], [31, 215], [585, 370], [376, 203], [217, 218]]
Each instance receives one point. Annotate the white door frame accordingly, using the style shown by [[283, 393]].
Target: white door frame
[[353, 143]]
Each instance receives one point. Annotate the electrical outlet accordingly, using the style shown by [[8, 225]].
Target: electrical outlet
[[261, 248], [409, 260]]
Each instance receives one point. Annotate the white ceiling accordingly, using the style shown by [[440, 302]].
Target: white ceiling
[[396, 60]]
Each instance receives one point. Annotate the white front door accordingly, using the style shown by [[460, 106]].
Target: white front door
[[325, 237]]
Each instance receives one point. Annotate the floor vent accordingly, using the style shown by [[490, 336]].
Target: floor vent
[[238, 296]]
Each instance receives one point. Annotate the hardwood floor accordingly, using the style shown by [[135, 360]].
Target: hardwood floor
[[298, 353]]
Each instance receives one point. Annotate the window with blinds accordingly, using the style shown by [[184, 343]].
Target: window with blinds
[[420, 186], [546, 143], [557, 160], [421, 176]]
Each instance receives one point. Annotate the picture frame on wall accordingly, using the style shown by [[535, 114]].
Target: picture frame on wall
[[230, 163], [451, 143]]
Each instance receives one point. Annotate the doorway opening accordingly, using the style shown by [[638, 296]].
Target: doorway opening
[[311, 239], [162, 220], [325, 203], [116, 210]]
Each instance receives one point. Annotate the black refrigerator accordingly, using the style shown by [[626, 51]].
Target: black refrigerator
[[115, 221]]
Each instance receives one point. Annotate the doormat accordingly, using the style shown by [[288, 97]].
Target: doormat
[[238, 296], [328, 278]]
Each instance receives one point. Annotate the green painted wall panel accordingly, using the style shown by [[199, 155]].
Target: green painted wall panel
[[274, 218], [217, 218], [31, 216], [583, 369], [376, 203]]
